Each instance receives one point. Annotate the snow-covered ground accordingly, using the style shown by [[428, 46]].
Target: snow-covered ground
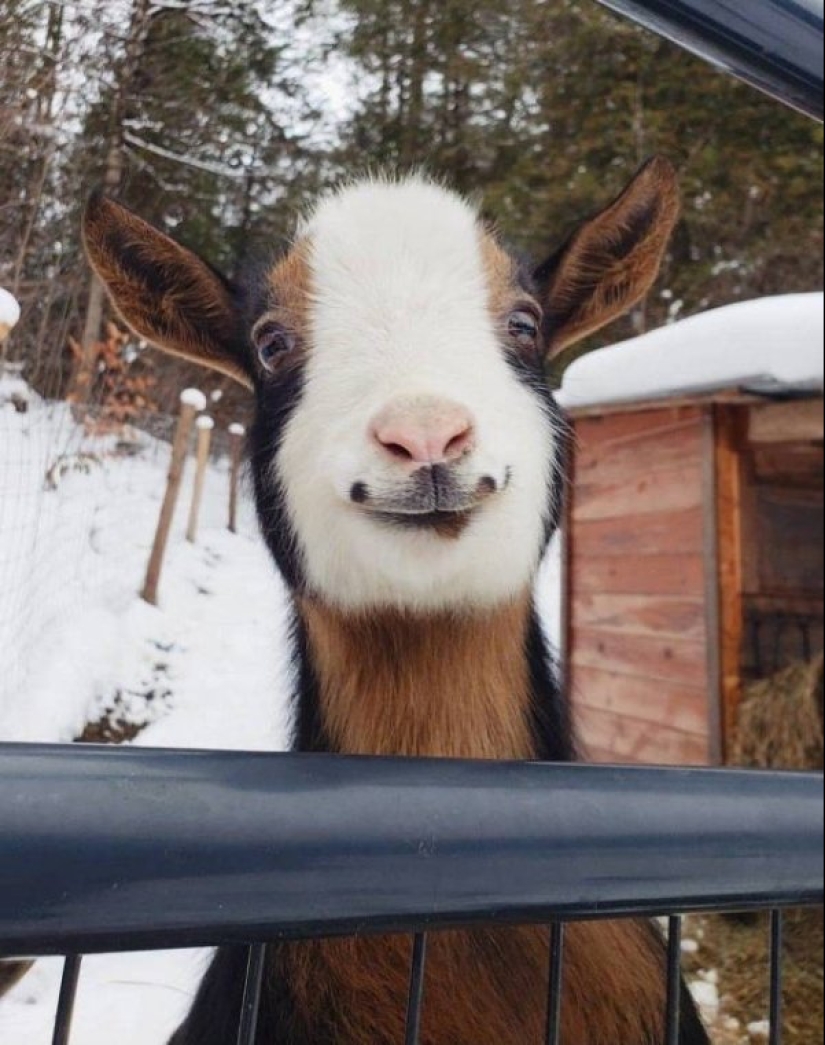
[[205, 669]]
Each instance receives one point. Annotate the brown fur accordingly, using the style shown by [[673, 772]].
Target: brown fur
[[483, 987], [291, 282], [500, 270], [394, 702], [486, 987]]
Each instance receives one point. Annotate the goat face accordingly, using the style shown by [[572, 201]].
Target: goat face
[[417, 465], [406, 451]]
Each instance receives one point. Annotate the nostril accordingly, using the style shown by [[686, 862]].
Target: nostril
[[397, 450], [459, 444]]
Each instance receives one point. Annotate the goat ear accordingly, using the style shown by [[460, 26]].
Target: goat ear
[[612, 260], [164, 292]]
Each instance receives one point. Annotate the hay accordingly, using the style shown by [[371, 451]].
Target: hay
[[781, 721], [738, 952]]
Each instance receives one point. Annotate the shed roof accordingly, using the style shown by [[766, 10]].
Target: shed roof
[[764, 347]]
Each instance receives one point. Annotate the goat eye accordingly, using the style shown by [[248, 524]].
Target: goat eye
[[271, 343], [524, 328]]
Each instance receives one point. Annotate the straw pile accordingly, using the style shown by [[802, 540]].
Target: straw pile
[[781, 721]]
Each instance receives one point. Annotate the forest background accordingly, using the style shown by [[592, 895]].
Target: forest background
[[218, 119]]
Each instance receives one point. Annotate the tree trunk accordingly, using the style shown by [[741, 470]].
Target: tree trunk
[[115, 163]]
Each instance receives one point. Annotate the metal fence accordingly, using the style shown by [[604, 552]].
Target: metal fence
[[123, 849]]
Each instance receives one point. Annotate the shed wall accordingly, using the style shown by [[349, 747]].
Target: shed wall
[[638, 663]]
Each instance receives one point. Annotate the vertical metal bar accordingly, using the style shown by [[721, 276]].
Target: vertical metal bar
[[674, 983], [777, 954], [416, 999], [66, 1000], [252, 995], [556, 995]]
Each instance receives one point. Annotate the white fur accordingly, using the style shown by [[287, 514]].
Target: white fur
[[401, 308]]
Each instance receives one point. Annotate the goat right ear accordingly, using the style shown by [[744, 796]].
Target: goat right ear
[[163, 291]]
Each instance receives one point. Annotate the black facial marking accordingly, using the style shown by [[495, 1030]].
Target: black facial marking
[[552, 725], [359, 494], [309, 735], [533, 378], [277, 401], [487, 485]]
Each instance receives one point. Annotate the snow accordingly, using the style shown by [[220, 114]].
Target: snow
[[208, 668], [205, 423], [765, 346], [9, 310], [237, 430], [706, 996], [193, 397]]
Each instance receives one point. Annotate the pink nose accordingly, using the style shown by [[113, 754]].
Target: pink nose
[[424, 431]]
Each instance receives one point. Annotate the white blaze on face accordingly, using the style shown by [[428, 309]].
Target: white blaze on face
[[402, 309]]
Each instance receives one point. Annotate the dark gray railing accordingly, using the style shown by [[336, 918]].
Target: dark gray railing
[[775, 45], [106, 849]]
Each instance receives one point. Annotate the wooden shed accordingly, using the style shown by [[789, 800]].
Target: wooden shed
[[693, 548]]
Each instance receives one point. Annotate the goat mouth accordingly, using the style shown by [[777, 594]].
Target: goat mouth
[[448, 524]]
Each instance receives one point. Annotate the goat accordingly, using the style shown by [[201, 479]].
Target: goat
[[408, 464]]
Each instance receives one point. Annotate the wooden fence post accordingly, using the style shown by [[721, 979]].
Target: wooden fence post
[[205, 426], [236, 438], [191, 403]]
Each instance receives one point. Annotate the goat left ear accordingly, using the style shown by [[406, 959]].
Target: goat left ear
[[164, 292], [612, 261]]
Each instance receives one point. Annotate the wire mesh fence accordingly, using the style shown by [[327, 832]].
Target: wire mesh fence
[[78, 485]]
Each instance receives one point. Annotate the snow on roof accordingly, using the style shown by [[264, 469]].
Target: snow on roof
[[772, 345], [9, 309]]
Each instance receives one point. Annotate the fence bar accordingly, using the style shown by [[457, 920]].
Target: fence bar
[[674, 982], [416, 1000], [301, 846], [66, 1000], [777, 955], [253, 988], [556, 993]]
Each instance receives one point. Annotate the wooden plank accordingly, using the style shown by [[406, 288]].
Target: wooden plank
[[668, 704], [640, 536], [648, 615], [669, 574], [649, 493], [725, 604], [656, 450], [794, 422], [788, 464], [629, 740], [615, 429], [661, 658]]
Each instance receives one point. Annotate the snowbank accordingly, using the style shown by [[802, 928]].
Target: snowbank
[[770, 345]]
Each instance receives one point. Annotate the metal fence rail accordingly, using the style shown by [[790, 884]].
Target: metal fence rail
[[118, 849], [775, 45]]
